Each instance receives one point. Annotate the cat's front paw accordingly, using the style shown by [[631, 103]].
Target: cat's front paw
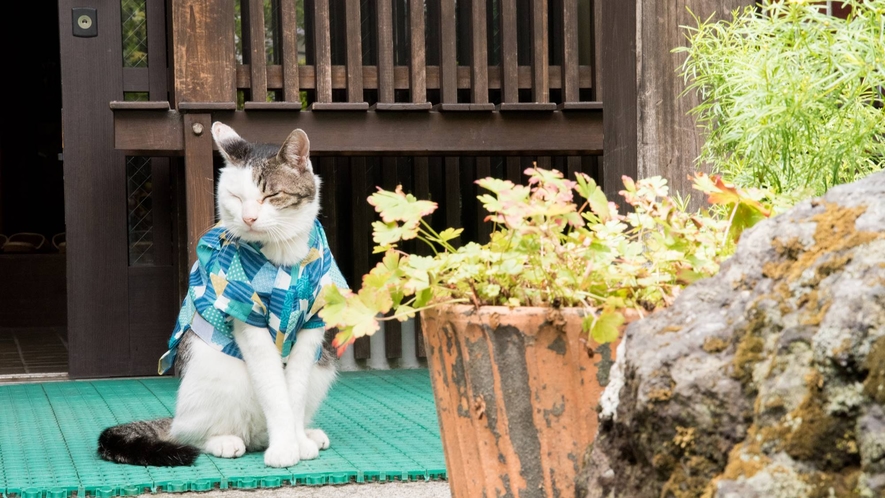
[[319, 437], [225, 446], [281, 455], [307, 449]]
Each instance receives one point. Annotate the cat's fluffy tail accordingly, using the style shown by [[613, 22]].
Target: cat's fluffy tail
[[144, 443]]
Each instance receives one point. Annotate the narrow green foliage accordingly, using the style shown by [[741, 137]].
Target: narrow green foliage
[[791, 99], [556, 242]]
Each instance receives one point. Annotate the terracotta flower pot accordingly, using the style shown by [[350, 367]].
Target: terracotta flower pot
[[516, 393]]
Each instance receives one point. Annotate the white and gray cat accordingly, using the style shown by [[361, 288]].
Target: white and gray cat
[[268, 201]]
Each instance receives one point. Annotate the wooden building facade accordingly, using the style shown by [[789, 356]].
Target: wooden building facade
[[430, 94]]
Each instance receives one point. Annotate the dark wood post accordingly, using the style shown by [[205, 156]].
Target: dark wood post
[[203, 40], [647, 129]]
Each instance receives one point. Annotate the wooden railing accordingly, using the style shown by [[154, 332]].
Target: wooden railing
[[441, 60]]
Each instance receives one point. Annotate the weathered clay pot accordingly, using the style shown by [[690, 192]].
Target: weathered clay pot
[[516, 393]]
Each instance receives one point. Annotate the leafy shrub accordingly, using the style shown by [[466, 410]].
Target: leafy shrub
[[555, 242], [791, 99]]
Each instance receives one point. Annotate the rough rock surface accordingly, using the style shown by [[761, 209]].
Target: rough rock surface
[[767, 380]]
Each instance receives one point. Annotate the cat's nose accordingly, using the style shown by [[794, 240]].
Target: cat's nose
[[249, 220]]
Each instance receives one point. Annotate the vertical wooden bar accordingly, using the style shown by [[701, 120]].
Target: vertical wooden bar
[[483, 228], [361, 228], [570, 85], [392, 329], [323, 54], [385, 52], [289, 60], [94, 196], [257, 54], [573, 165], [354, 51], [514, 169], [596, 22], [448, 70], [417, 66], [156, 38], [479, 60], [203, 44], [452, 173], [421, 178], [544, 162], [540, 66], [199, 179], [328, 172], [509, 54]]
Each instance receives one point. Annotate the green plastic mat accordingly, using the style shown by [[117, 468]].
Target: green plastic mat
[[382, 425]]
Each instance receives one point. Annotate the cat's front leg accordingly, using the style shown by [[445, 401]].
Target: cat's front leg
[[265, 367], [301, 363]]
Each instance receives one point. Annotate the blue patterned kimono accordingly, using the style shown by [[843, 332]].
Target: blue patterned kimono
[[233, 279]]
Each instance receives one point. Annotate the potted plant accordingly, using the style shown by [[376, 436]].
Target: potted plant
[[519, 331]]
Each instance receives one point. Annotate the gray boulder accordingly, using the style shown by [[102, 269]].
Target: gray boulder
[[767, 380]]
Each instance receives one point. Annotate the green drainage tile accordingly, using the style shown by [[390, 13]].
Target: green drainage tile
[[382, 425]]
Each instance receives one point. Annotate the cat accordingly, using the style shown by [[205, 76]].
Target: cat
[[246, 384]]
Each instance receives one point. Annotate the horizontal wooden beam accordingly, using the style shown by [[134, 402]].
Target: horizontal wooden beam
[[574, 133]]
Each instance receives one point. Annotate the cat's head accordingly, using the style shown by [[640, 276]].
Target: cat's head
[[266, 193]]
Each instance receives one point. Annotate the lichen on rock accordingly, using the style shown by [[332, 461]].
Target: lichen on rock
[[765, 380]]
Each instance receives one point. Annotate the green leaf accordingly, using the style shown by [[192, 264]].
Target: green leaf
[[606, 327], [398, 206]]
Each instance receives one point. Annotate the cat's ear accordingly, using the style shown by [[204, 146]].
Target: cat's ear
[[230, 144], [295, 151]]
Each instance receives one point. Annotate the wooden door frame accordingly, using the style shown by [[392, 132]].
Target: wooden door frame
[[95, 177]]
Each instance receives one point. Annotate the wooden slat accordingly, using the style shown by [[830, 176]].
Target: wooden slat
[[573, 166], [354, 52], [403, 106], [257, 55], [513, 169], [361, 232], [483, 228], [479, 60], [580, 106], [509, 61], [272, 106], [203, 43], [545, 162], [540, 83], [323, 55], [139, 105], [569, 18], [466, 107], [199, 180], [598, 81], [618, 59], [453, 192], [392, 329], [327, 170], [527, 106], [289, 25], [385, 52], [448, 71], [376, 133], [207, 106], [339, 106], [418, 60], [155, 13]]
